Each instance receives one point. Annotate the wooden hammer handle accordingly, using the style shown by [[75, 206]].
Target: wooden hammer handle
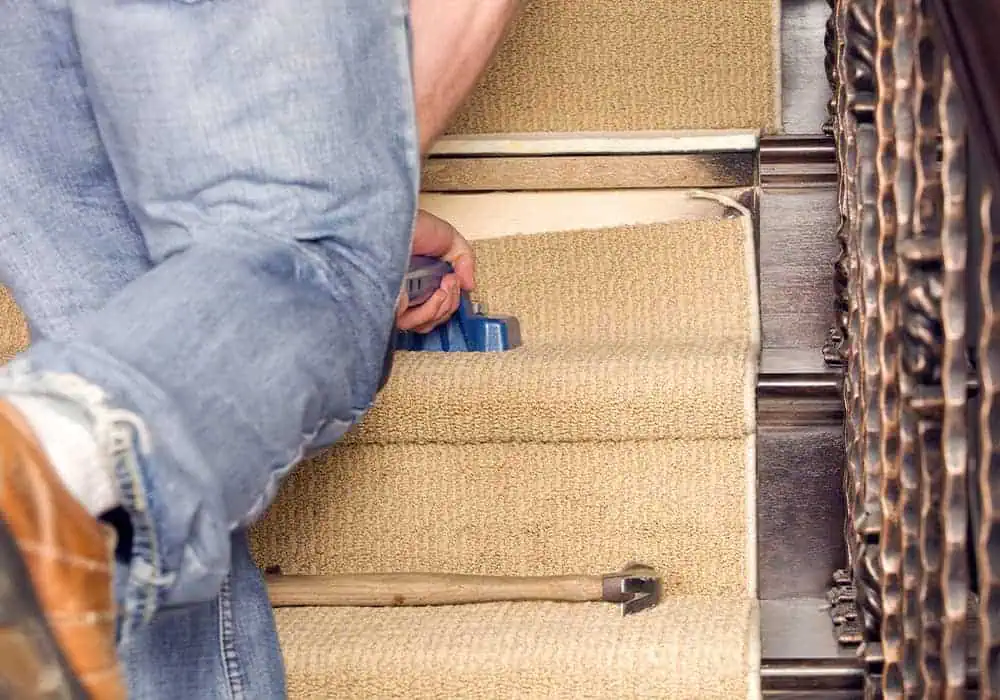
[[383, 590]]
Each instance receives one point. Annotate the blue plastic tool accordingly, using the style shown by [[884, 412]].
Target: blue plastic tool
[[470, 329]]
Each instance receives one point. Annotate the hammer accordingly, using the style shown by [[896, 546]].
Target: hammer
[[635, 588]]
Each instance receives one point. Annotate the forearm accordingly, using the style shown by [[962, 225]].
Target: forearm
[[453, 44]]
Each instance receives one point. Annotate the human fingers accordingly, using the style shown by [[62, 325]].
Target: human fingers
[[430, 312], [445, 312], [437, 238]]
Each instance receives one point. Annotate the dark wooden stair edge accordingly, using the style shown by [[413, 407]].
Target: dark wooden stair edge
[[794, 387], [800, 657], [797, 161], [787, 678], [805, 394]]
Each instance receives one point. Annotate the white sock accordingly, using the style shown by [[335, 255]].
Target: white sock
[[72, 451]]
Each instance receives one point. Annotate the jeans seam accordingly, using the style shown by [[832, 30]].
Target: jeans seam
[[227, 643], [145, 555], [127, 438]]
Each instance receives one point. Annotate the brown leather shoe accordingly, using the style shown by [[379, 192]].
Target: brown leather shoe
[[57, 620]]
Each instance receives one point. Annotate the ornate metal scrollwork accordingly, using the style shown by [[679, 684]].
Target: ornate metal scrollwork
[[900, 132], [856, 143], [884, 431], [918, 261], [843, 594], [880, 528], [835, 349], [922, 361], [849, 59], [988, 419], [935, 367], [867, 501], [831, 44]]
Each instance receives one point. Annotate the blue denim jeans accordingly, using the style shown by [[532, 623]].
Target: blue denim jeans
[[206, 212]]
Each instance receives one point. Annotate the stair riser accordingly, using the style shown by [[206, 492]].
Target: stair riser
[[800, 509], [797, 248]]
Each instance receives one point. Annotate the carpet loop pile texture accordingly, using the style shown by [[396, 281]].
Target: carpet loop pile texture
[[632, 65], [623, 430]]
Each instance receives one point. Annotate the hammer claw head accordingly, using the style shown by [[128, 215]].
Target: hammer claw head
[[636, 589], [643, 591]]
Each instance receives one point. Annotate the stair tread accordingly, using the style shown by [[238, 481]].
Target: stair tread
[[530, 509], [679, 282], [602, 66], [549, 393], [631, 332], [622, 431], [684, 649]]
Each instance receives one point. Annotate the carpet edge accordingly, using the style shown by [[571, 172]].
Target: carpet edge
[[754, 663], [778, 105]]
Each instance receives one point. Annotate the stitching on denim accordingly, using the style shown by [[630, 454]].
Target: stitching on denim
[[121, 436], [112, 428], [145, 568], [227, 642]]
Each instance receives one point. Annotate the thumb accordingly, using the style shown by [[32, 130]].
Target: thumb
[[437, 238], [464, 265]]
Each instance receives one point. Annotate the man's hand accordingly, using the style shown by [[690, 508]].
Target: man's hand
[[437, 238]]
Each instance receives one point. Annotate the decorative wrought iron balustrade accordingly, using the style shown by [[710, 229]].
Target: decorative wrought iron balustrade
[[915, 115]]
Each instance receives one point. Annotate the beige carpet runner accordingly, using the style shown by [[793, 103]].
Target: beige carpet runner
[[13, 327], [623, 65], [621, 431]]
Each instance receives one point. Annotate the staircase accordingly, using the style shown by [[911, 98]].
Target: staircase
[[610, 436], [642, 194], [625, 427]]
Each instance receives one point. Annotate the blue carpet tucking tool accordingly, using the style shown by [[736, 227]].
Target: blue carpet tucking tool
[[470, 329]]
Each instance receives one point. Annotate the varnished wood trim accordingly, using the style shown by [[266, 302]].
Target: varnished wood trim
[[805, 89], [796, 252], [799, 510], [580, 172], [798, 161], [798, 401], [820, 676], [806, 398]]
